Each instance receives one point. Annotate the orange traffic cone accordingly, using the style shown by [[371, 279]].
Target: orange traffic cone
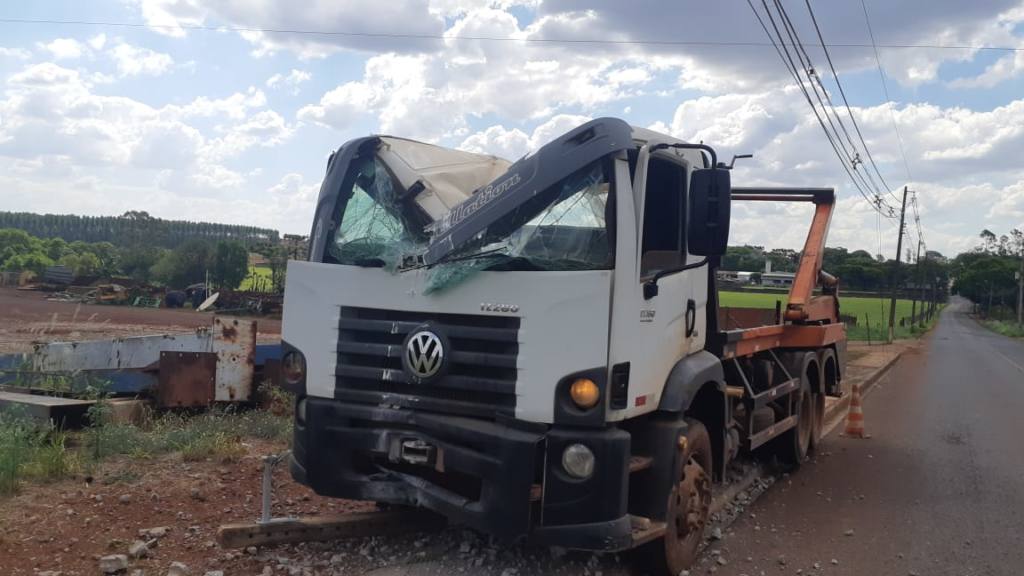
[[855, 418]]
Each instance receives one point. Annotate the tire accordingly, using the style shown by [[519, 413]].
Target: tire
[[817, 429], [688, 507], [794, 444], [826, 359]]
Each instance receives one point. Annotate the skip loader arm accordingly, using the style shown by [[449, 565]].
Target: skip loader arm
[[803, 307]]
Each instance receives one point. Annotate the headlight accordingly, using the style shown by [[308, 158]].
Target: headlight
[[293, 367], [578, 461], [300, 410], [584, 393]]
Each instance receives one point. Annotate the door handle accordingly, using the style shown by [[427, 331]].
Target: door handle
[[691, 317]]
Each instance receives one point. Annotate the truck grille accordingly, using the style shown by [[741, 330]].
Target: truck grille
[[482, 355]]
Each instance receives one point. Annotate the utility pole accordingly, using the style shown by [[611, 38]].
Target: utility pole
[[924, 274], [896, 269], [913, 295], [1020, 285]]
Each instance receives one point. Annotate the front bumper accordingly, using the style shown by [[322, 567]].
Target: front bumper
[[484, 474]]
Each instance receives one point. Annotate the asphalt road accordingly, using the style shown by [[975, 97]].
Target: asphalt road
[[937, 490]]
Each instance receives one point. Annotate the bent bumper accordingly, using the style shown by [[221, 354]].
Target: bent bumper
[[502, 478]]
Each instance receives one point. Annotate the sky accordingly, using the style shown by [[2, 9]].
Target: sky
[[227, 110]]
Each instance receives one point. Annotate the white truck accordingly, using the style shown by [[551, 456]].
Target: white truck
[[533, 349]]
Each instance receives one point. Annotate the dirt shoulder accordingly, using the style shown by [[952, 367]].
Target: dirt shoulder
[[68, 525]]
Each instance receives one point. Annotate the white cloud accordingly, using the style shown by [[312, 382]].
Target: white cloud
[[98, 41], [235, 106], [408, 16], [168, 17], [135, 60], [513, 144], [64, 48], [434, 96], [292, 80], [293, 187], [16, 53], [1003, 69], [51, 112], [265, 128]]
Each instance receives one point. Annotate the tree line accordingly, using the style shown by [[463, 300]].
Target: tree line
[[225, 261], [987, 275], [131, 228], [857, 270]]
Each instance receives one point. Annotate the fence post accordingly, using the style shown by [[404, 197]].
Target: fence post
[[867, 324]]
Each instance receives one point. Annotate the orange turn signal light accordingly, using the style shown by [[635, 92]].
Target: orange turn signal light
[[584, 393]]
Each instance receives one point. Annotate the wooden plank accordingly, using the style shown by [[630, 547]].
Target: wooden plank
[[319, 528], [638, 463]]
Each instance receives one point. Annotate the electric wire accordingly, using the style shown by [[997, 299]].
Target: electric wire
[[846, 102], [428, 36], [791, 67]]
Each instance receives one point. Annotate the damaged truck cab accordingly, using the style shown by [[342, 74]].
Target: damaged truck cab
[[532, 349]]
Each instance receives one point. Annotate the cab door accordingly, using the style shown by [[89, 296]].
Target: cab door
[[653, 329]]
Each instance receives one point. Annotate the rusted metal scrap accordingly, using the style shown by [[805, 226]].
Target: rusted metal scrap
[[215, 364]]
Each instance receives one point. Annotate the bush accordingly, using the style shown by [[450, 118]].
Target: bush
[[1011, 329], [30, 449]]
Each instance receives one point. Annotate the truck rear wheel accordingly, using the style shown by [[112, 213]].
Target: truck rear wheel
[[817, 429], [689, 505], [794, 444]]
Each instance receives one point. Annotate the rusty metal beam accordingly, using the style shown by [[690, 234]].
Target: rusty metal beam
[[808, 272], [741, 343]]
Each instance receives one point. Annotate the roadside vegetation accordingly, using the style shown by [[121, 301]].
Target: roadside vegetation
[[1011, 329], [32, 451], [986, 275]]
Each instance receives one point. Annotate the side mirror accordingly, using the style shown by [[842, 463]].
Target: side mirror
[[710, 203]]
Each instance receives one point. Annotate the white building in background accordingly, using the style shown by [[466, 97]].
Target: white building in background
[[777, 279], [737, 277]]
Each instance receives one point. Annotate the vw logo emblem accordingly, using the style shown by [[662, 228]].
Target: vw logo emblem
[[424, 354]]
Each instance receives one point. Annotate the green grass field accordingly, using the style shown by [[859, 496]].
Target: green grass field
[[262, 273], [867, 310]]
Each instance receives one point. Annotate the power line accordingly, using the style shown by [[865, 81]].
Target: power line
[[787, 61], [892, 115], [819, 91], [781, 49], [413, 36], [885, 89], [846, 102]]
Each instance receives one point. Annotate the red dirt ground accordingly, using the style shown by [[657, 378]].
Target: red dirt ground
[[67, 526], [27, 316]]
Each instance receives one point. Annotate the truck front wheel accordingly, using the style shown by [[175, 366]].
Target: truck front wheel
[[689, 504]]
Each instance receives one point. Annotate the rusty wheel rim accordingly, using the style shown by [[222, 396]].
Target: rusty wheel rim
[[693, 501]]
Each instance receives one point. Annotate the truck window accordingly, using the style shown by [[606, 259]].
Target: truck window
[[564, 227], [664, 214]]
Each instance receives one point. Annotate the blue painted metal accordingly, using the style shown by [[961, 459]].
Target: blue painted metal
[[266, 352]]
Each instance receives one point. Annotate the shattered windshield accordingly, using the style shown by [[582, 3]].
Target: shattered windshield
[[373, 227], [561, 228]]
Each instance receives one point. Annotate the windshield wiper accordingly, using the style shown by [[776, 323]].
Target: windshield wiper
[[474, 256]]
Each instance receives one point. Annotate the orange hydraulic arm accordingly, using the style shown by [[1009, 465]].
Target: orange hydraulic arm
[[803, 307]]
